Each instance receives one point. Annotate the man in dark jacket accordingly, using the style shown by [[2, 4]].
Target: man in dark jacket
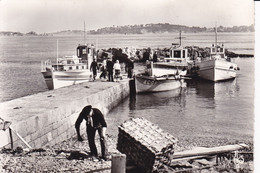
[[95, 121], [155, 57], [130, 67], [94, 68], [110, 68]]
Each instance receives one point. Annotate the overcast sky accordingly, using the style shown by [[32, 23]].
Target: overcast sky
[[55, 15]]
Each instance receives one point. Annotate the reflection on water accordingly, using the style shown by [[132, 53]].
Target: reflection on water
[[148, 105], [157, 99], [222, 110], [210, 89], [132, 103]]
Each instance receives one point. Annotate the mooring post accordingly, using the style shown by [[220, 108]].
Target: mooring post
[[132, 87], [11, 139], [118, 163]]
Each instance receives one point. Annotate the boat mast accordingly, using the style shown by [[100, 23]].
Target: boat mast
[[96, 49], [216, 38], [57, 53], [180, 37], [84, 34]]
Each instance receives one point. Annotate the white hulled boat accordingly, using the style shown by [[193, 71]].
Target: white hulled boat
[[151, 82], [69, 70], [217, 66]]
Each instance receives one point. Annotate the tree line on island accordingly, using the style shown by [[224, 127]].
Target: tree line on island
[[139, 29], [167, 28]]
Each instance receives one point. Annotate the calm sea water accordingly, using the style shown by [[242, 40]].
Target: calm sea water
[[221, 110]]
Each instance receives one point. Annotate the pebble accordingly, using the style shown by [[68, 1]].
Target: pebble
[[50, 161]]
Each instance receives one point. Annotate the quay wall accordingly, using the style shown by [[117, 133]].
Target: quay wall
[[48, 118]]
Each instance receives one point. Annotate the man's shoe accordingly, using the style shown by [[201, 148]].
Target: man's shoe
[[104, 158], [93, 154]]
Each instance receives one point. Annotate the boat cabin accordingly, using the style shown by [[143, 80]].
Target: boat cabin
[[178, 54], [217, 50], [69, 63], [87, 53]]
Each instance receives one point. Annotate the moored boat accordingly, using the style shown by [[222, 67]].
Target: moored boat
[[69, 70], [145, 83], [150, 81], [216, 67]]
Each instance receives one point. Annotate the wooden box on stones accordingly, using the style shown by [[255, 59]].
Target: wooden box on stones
[[143, 141]]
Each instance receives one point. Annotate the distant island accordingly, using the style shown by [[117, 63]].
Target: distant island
[[32, 33], [167, 28], [139, 29]]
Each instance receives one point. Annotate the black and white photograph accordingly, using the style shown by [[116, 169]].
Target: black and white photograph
[[140, 86]]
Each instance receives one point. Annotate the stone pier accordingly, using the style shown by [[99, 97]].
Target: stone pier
[[47, 118]]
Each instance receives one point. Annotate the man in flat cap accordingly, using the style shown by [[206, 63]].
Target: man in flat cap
[[95, 121]]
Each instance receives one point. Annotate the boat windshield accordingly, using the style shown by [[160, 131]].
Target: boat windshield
[[176, 53], [179, 53], [69, 60]]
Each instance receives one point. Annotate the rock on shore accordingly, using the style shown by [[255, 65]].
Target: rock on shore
[[63, 157], [59, 158]]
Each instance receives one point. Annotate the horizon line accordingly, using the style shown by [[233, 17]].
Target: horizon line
[[123, 26]]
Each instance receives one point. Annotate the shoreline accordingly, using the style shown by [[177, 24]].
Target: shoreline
[[76, 33], [56, 158]]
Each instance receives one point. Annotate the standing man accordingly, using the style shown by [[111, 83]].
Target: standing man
[[110, 68], [103, 70], [94, 68], [155, 57], [130, 67], [95, 121]]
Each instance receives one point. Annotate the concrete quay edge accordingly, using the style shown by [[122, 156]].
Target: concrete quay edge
[[48, 118]]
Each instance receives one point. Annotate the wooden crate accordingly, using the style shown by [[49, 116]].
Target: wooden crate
[[142, 141]]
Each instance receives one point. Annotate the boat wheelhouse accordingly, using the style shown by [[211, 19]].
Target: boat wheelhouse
[[177, 54]]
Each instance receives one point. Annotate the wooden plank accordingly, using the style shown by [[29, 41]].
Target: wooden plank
[[194, 169], [11, 138], [20, 138], [209, 151], [191, 158]]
